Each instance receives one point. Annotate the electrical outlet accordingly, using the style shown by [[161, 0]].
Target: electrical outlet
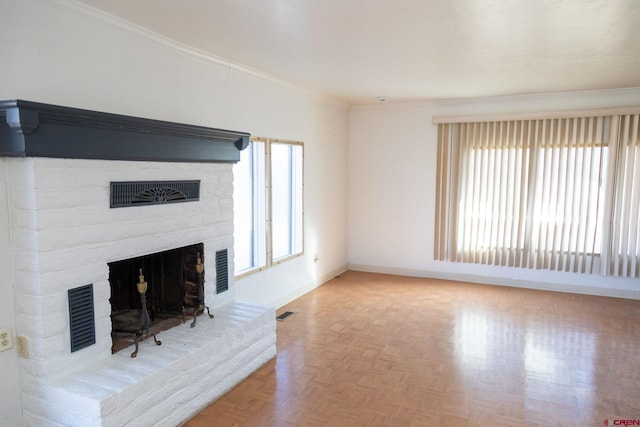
[[23, 347], [5, 338]]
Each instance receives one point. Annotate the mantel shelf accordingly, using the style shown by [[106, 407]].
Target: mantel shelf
[[31, 129]]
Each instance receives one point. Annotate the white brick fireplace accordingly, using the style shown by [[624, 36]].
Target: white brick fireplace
[[63, 235]]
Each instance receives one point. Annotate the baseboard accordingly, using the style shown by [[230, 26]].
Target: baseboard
[[309, 287], [332, 275], [501, 281]]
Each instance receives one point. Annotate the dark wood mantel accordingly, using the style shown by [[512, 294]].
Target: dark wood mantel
[[31, 129]]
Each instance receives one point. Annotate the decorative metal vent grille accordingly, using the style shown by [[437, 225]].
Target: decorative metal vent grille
[[143, 193], [222, 271], [284, 315], [81, 317]]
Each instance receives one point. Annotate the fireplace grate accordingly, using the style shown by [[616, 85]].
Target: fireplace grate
[[222, 271], [81, 317], [143, 193]]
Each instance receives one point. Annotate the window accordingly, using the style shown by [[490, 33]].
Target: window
[[249, 198], [268, 204], [541, 194], [286, 200]]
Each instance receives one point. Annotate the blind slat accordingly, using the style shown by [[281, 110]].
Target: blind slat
[[634, 231]]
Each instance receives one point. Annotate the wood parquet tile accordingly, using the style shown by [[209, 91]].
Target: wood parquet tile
[[379, 350]]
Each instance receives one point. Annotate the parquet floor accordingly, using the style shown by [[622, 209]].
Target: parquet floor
[[378, 350]]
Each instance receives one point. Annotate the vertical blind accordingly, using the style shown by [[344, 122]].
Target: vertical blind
[[622, 257], [558, 194]]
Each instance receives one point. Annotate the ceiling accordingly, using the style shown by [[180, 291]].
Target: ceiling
[[410, 50]]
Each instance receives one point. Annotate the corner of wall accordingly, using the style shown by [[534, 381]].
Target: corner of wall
[[11, 408]]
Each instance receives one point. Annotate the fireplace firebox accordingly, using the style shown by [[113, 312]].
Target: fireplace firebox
[[174, 292]]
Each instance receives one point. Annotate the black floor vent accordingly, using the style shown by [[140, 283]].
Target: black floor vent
[[81, 317], [143, 193], [222, 271], [284, 315]]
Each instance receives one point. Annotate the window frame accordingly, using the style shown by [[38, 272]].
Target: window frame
[[257, 197], [265, 211]]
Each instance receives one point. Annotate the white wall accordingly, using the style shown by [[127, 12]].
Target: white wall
[[10, 407], [61, 55], [60, 52], [325, 214], [392, 167]]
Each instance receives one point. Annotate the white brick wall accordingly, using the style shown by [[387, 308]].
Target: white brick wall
[[63, 234]]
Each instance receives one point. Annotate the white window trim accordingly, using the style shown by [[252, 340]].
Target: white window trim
[[270, 262]]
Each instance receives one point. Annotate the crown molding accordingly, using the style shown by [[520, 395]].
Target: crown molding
[[97, 16]]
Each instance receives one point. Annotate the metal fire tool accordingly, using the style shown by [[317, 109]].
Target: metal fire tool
[[201, 305], [143, 332]]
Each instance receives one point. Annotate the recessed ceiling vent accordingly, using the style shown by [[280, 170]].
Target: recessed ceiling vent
[[142, 193]]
